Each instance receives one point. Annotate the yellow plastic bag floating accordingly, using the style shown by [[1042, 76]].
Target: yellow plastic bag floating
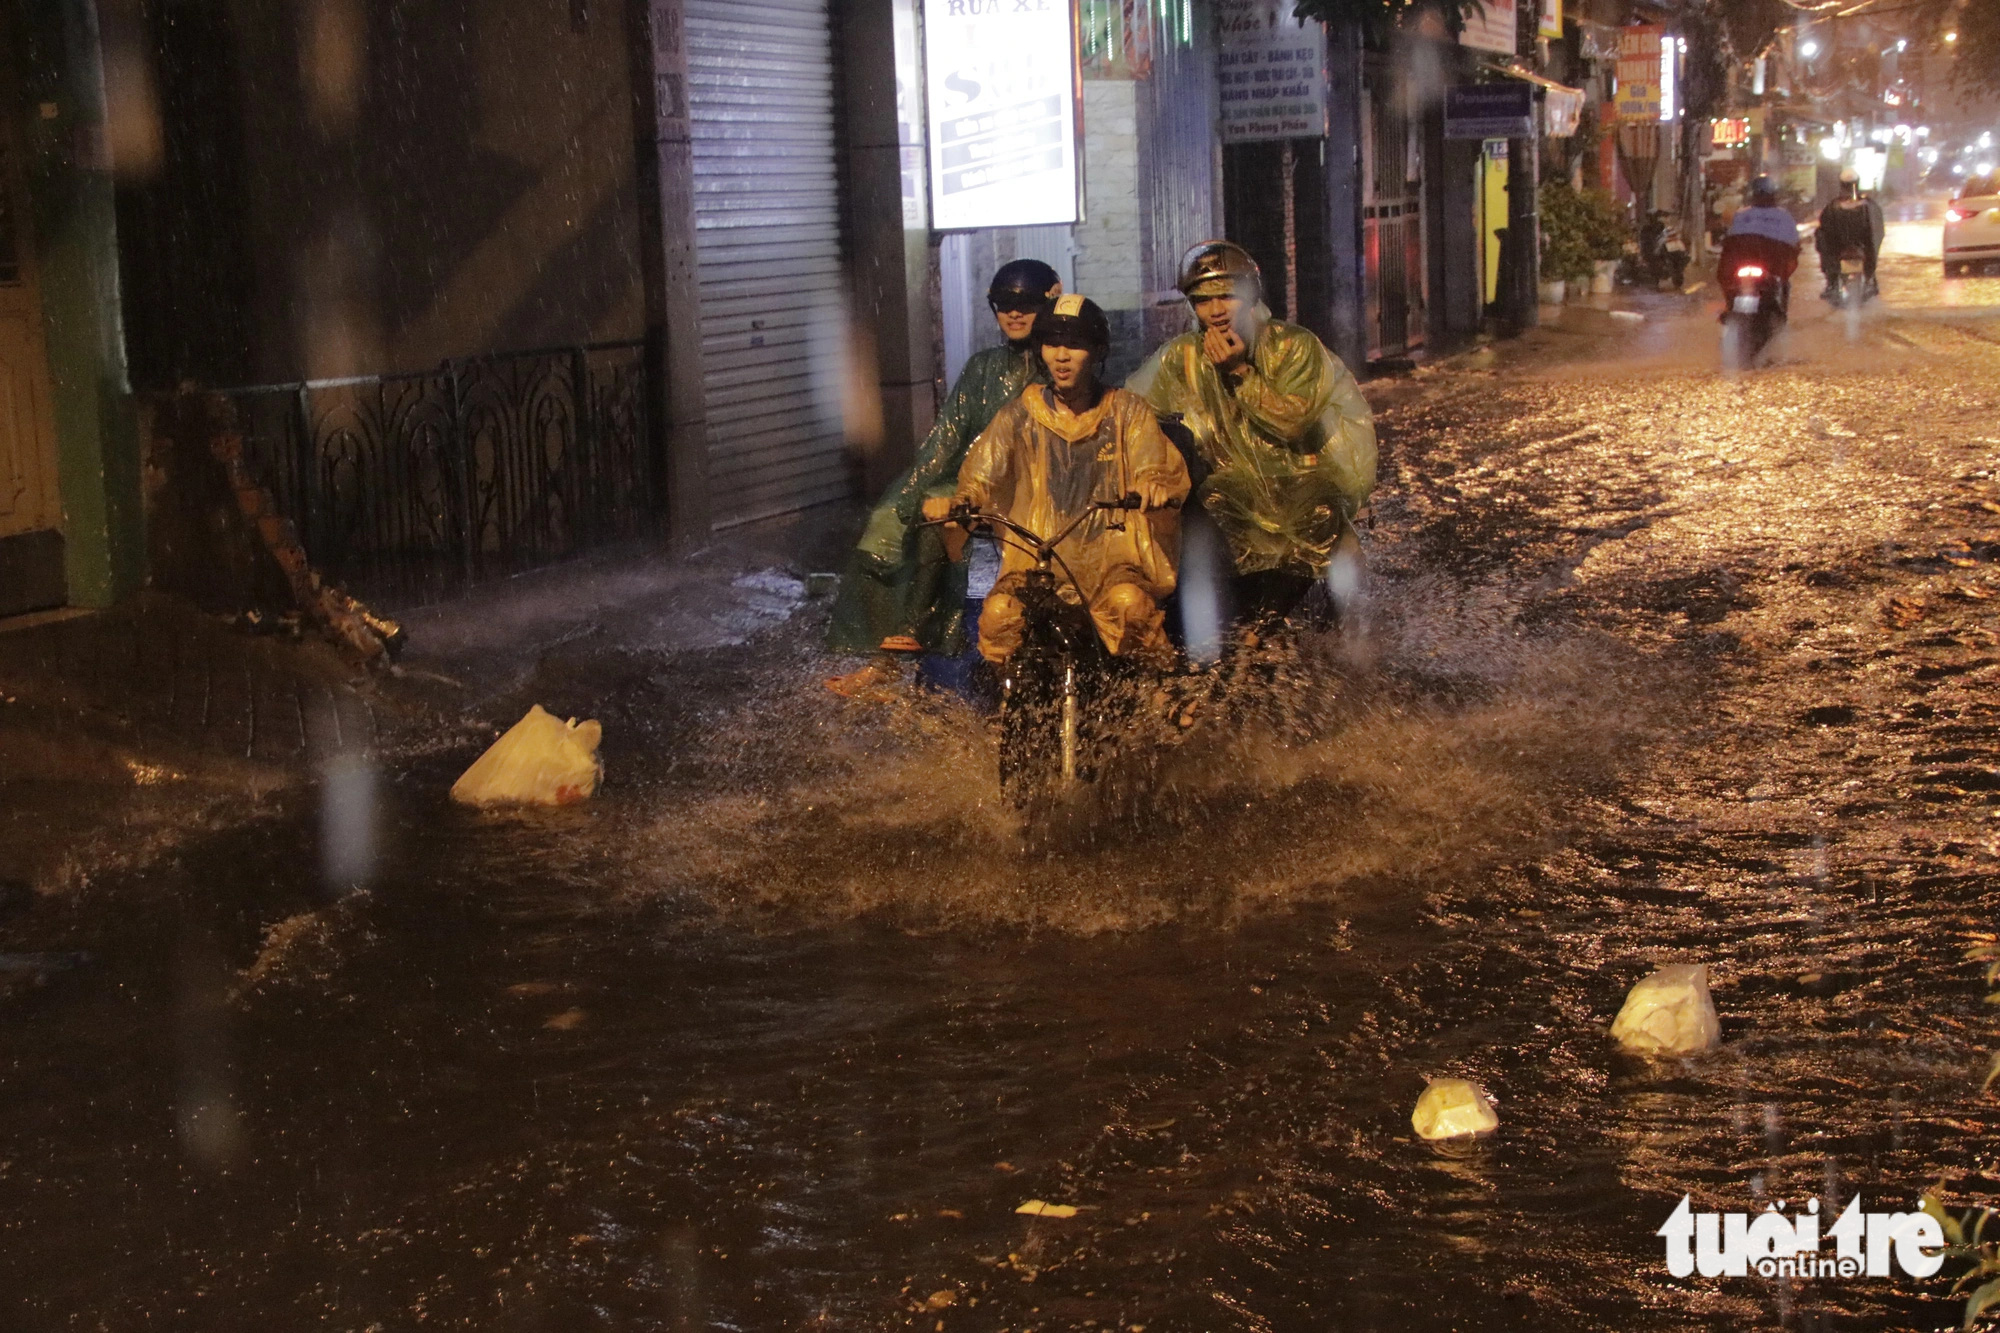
[[540, 761], [1669, 1013], [1453, 1108]]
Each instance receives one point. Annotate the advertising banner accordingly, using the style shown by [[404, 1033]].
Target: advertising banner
[[1552, 19], [1270, 72], [1002, 115], [1493, 26], [1639, 72]]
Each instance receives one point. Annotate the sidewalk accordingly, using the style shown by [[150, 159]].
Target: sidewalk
[[125, 732]]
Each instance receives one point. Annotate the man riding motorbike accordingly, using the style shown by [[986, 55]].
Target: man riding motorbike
[[899, 594], [1766, 235], [1851, 222], [1277, 418], [1047, 458]]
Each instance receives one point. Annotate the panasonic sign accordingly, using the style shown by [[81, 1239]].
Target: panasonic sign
[[1001, 84]]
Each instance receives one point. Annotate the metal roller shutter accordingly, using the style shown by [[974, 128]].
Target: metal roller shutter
[[770, 254]]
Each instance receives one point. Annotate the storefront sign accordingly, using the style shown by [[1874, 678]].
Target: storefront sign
[[1503, 110], [1730, 133], [1271, 72], [1492, 26], [1002, 85], [1552, 19], [1639, 73]]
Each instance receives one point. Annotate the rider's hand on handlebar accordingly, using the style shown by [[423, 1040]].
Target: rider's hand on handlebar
[[1156, 495], [937, 508]]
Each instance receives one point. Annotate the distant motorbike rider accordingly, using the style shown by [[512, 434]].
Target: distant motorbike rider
[[1046, 459], [1851, 222], [900, 594], [1763, 233], [1276, 418]]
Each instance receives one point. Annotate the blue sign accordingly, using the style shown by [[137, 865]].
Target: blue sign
[[1504, 110]]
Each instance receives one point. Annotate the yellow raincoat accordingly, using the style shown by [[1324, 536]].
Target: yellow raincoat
[[1292, 443], [1041, 465]]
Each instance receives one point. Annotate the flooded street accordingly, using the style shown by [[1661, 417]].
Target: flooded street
[[1656, 665]]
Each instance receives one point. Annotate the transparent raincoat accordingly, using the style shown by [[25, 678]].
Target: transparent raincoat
[[898, 579], [1043, 467], [1292, 445]]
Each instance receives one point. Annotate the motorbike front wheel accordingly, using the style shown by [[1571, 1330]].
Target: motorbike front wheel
[[1042, 735]]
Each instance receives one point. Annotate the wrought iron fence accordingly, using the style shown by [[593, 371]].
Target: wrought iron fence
[[407, 488]]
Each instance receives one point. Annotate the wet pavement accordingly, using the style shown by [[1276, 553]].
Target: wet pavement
[[1658, 664]]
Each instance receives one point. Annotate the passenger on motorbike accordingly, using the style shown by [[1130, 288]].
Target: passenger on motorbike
[[1851, 222], [1048, 458], [1277, 418], [899, 594], [1763, 234]]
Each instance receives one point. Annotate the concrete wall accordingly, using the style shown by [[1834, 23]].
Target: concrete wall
[[1110, 245], [408, 183]]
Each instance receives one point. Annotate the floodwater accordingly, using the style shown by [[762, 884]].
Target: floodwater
[[1658, 665]]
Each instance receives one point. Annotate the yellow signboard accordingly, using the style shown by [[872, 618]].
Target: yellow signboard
[[1552, 19], [1639, 72]]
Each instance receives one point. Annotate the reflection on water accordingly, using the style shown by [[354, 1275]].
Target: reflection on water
[[780, 1032]]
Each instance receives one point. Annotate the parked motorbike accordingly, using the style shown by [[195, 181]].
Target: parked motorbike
[[1064, 699], [1659, 255]]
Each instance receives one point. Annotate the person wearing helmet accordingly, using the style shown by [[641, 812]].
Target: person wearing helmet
[[1763, 217], [900, 594], [1278, 420], [1763, 234], [1046, 459], [1852, 221]]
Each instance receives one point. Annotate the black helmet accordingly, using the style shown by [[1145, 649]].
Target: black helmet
[[1764, 192], [1022, 281], [1076, 321]]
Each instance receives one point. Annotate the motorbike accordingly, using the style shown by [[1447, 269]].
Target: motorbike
[[1852, 288], [1754, 308], [1063, 697], [1659, 255]]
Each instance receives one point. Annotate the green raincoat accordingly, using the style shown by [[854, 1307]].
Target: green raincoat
[[898, 580], [1291, 444]]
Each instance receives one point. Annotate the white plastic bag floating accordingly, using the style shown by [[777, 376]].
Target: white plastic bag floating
[[1453, 1108], [1669, 1013], [540, 761]]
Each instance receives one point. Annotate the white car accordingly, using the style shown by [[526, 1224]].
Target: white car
[[1972, 226]]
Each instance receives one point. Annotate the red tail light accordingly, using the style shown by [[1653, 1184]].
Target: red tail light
[[1750, 271], [1961, 213]]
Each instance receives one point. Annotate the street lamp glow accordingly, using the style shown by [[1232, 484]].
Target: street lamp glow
[[1829, 148], [1809, 48]]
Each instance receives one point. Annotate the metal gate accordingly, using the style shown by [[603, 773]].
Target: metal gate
[[1392, 220], [770, 254]]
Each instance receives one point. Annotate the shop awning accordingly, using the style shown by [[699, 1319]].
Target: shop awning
[[1561, 109]]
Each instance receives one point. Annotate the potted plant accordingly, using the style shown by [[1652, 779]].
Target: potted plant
[[1566, 252], [1607, 232]]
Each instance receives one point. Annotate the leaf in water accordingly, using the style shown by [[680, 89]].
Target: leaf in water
[[1036, 1208], [1978, 1303], [1992, 1072], [564, 1021], [1953, 1233]]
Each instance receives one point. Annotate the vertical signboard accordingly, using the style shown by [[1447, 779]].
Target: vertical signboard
[[1002, 88], [1552, 20], [1639, 73], [1493, 26], [1271, 72]]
